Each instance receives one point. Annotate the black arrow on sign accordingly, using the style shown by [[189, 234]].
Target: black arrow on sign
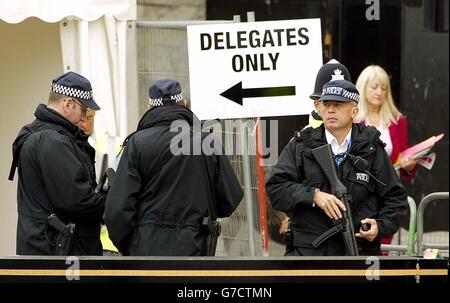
[[236, 93]]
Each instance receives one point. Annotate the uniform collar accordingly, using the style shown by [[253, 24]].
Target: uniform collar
[[165, 115], [335, 147]]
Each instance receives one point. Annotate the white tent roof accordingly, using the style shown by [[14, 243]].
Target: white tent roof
[[93, 40], [15, 11]]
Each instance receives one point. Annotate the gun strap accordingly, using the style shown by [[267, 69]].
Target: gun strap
[[16, 154], [327, 234]]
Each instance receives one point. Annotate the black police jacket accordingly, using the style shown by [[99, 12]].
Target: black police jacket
[[296, 175], [56, 175], [157, 200]]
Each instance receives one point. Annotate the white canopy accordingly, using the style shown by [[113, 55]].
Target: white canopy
[[93, 37], [15, 11]]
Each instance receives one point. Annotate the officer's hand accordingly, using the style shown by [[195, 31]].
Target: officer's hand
[[329, 204], [283, 226], [372, 233]]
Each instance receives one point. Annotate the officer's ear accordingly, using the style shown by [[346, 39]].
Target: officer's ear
[[316, 105], [66, 104], [355, 111], [185, 103]]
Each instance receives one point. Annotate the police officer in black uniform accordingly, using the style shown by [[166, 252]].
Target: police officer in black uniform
[[163, 190], [298, 186], [56, 175]]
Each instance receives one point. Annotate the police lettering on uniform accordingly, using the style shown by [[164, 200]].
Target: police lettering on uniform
[[297, 185], [162, 203]]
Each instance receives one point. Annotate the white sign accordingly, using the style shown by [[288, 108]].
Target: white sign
[[253, 69]]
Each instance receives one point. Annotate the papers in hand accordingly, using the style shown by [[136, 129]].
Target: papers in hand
[[427, 161], [420, 150]]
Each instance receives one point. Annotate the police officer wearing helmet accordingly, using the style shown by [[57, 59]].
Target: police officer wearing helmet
[[298, 186], [332, 70], [56, 173], [159, 197]]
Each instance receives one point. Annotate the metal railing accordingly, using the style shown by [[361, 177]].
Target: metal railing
[[420, 216], [409, 248], [412, 225]]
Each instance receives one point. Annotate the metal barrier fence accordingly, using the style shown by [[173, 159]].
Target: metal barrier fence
[[162, 53], [409, 248], [438, 196], [415, 241]]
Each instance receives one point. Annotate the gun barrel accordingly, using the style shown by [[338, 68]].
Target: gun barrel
[[349, 230]]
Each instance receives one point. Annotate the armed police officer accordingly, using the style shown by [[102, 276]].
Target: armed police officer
[[298, 186], [161, 196], [59, 211]]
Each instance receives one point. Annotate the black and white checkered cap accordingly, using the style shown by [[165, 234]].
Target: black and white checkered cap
[[340, 90], [165, 88], [75, 85]]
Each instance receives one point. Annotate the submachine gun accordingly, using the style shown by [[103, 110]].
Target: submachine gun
[[324, 157]]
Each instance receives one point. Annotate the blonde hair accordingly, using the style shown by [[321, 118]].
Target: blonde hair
[[389, 113]]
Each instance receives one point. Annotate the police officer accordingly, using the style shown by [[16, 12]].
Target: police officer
[[298, 186], [56, 175], [160, 196], [98, 142], [332, 70]]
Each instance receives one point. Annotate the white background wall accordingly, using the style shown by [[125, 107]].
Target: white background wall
[[30, 57]]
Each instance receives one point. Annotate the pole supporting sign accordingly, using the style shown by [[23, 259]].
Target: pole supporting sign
[[253, 69]]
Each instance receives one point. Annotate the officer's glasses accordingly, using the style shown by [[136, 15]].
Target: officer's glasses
[[83, 108]]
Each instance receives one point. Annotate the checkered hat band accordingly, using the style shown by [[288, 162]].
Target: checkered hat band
[[159, 101], [339, 91], [72, 92]]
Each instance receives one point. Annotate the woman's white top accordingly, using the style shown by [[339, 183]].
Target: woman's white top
[[385, 137]]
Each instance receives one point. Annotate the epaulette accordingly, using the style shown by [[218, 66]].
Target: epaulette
[[373, 134]]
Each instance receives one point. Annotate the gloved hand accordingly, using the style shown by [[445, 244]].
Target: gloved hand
[[105, 181]]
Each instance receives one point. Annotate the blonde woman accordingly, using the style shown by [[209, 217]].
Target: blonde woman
[[377, 108]]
